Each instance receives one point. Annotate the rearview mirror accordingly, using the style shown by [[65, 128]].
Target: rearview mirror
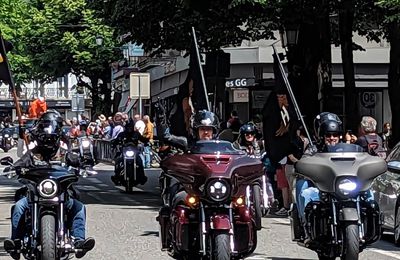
[[394, 166], [6, 161]]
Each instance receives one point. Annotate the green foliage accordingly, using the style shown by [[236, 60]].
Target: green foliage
[[392, 8]]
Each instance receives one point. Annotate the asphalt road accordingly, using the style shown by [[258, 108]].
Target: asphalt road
[[124, 225]]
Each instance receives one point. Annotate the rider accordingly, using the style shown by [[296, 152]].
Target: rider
[[129, 135], [46, 136], [328, 129], [247, 140]]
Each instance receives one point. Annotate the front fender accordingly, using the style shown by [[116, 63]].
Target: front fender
[[348, 214], [220, 222]]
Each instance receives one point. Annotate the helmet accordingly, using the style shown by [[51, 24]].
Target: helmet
[[47, 132], [326, 123], [205, 118], [247, 129]]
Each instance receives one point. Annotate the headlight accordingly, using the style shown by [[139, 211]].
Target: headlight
[[218, 190], [85, 143], [129, 153], [347, 186], [47, 188], [6, 135]]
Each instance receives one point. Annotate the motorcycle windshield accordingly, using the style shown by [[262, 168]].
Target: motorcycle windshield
[[215, 147], [343, 148]]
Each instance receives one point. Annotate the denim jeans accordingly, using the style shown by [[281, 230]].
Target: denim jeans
[[75, 211], [147, 157], [305, 193]]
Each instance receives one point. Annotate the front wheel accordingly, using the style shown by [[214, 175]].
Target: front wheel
[[351, 242], [258, 213], [221, 250], [48, 237], [397, 227]]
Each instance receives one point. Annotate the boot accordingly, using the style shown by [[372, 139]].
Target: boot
[[83, 246]]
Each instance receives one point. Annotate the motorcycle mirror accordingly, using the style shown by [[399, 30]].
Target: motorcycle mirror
[[7, 161], [394, 166]]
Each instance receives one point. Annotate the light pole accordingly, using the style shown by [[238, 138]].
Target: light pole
[[99, 42]]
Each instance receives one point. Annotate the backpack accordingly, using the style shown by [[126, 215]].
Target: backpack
[[375, 146]]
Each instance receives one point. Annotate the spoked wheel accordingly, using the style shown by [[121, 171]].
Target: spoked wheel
[[351, 242], [48, 237], [258, 213], [397, 227]]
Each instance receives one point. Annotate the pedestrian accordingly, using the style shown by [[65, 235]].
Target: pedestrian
[[118, 125], [283, 186], [139, 124], [234, 123], [148, 134], [386, 136], [369, 140]]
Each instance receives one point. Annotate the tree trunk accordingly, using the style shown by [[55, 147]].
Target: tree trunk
[[394, 79], [95, 96], [346, 17]]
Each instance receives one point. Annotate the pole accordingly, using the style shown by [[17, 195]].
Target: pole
[[13, 91], [140, 97], [201, 68], [292, 97]]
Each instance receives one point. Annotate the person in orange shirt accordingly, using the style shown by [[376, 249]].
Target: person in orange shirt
[[37, 108], [148, 133]]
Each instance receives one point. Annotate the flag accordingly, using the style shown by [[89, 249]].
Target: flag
[[190, 98], [279, 119], [5, 46]]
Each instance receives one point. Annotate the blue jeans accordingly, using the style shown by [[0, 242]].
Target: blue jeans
[[306, 192], [147, 158], [75, 210]]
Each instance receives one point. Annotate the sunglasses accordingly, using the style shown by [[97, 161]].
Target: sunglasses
[[331, 135], [248, 134]]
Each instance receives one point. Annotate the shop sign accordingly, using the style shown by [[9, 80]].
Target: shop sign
[[368, 99], [239, 82], [241, 96]]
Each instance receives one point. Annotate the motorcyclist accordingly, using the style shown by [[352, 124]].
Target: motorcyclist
[[46, 136], [247, 140], [328, 128], [204, 126], [129, 135]]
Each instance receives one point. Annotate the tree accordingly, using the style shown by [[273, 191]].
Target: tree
[[62, 39], [13, 25]]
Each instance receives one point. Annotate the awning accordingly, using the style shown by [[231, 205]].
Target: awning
[[131, 104], [124, 101]]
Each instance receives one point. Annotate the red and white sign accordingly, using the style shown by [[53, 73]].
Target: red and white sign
[[240, 96]]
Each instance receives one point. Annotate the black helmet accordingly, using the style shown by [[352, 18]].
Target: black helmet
[[205, 118], [47, 132], [247, 129], [326, 123]]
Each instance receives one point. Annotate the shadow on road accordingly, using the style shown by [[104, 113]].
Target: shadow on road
[[386, 243]]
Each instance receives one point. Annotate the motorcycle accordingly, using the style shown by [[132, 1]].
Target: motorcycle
[[7, 139], [346, 218], [128, 167], [46, 233], [209, 217], [84, 147]]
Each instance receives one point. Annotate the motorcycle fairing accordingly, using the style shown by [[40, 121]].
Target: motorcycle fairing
[[325, 168]]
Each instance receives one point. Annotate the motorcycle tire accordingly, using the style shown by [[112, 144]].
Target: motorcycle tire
[[6, 149], [322, 257], [48, 237], [257, 201], [129, 185], [222, 249], [351, 242], [396, 230]]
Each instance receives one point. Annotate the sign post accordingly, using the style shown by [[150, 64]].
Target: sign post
[[139, 84]]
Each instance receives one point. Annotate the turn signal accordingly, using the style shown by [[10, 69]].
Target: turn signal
[[192, 201], [239, 202]]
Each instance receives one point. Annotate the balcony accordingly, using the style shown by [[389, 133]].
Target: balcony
[[30, 92]]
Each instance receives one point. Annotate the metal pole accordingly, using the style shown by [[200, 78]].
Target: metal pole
[[201, 69], [292, 97], [140, 98]]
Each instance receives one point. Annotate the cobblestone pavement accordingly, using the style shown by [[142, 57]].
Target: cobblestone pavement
[[124, 225]]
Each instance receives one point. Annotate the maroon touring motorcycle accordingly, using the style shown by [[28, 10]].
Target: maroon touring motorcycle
[[209, 218]]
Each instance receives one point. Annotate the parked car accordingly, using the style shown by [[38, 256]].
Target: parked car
[[386, 189]]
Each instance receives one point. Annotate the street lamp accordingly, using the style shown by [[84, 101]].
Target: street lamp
[[289, 35], [99, 40]]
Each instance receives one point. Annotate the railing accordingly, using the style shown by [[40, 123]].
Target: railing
[[104, 151]]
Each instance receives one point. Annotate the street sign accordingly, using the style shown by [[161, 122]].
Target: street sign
[[139, 85], [78, 103]]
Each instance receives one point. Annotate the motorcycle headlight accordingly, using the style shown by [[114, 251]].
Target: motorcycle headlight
[[85, 143], [6, 135], [129, 153], [347, 186], [47, 188], [218, 189]]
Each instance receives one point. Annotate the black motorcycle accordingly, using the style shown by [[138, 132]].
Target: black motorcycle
[[84, 147], [346, 218], [128, 165], [46, 231]]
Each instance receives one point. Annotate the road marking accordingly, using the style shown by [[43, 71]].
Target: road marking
[[383, 252]]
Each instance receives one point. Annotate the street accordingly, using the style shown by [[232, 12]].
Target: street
[[125, 227]]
